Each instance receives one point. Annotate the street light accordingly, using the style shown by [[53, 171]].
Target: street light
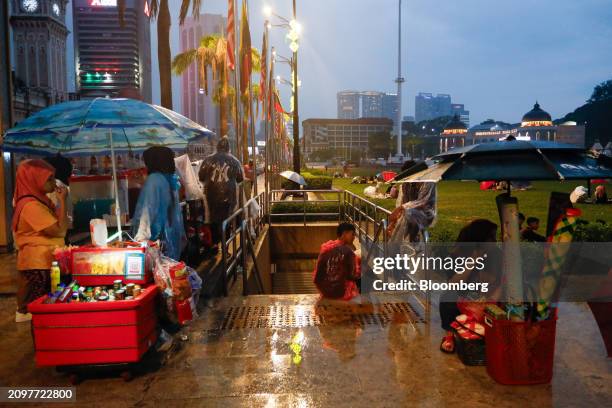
[[293, 36]]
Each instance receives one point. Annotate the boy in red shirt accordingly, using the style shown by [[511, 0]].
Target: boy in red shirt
[[338, 270]]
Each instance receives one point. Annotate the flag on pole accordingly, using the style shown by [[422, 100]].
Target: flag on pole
[[231, 35], [264, 68], [246, 63]]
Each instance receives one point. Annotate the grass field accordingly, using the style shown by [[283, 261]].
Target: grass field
[[462, 201]]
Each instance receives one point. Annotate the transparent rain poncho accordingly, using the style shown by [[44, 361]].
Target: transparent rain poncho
[[414, 214]]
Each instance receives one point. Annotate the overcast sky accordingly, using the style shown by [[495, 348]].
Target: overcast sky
[[496, 57]]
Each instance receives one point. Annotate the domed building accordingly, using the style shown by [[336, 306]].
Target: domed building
[[453, 135], [537, 125]]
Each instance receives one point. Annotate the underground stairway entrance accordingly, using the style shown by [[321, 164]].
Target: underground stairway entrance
[[286, 256]]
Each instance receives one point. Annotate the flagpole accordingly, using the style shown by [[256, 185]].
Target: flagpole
[[252, 123], [237, 107], [271, 113], [265, 94]]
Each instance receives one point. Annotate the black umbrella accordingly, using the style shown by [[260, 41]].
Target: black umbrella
[[515, 160]]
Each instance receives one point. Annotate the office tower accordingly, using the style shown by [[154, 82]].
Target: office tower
[[112, 60], [196, 105], [390, 106], [464, 115], [348, 104], [371, 104]]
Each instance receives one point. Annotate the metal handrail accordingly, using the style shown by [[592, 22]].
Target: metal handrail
[[370, 220], [239, 222], [275, 193]]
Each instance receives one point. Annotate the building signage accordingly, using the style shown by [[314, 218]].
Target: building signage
[[103, 3]]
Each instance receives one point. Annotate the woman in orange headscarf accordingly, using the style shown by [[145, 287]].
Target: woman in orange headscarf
[[38, 227]]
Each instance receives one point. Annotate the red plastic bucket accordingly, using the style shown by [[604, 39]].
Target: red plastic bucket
[[520, 353]]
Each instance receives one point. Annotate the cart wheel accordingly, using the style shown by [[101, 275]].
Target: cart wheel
[[127, 375], [74, 379]]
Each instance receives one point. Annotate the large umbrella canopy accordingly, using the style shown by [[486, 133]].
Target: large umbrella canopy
[[83, 128], [293, 176], [515, 161]]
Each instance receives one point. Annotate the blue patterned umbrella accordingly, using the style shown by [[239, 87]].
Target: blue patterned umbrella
[[102, 126], [83, 128]]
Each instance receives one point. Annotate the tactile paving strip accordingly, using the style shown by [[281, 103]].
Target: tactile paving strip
[[293, 316]]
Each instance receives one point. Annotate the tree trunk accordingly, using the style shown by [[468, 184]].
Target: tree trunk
[[223, 108], [163, 54]]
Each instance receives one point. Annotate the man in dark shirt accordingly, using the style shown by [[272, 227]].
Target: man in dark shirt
[[220, 174], [529, 233]]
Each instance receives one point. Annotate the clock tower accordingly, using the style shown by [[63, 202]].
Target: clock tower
[[39, 46]]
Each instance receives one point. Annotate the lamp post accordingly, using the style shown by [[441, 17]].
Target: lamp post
[[293, 36]]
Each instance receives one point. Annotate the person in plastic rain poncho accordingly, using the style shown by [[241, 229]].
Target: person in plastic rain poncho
[[158, 212], [220, 174], [415, 213]]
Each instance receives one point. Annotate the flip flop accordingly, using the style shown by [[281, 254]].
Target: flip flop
[[450, 338]]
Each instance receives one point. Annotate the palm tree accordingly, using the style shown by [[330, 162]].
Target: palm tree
[[159, 9], [212, 53]]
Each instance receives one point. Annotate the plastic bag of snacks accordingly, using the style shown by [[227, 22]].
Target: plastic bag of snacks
[[180, 287]]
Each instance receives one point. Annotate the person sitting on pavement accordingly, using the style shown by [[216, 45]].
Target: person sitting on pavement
[[529, 233], [38, 227], [337, 272], [478, 233]]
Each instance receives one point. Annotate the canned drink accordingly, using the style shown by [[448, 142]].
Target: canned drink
[[137, 292], [75, 297], [117, 284], [120, 294], [129, 289]]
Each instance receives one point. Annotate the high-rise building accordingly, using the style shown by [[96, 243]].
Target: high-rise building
[[459, 110], [429, 107], [39, 54], [112, 60], [371, 104], [348, 104], [390, 106], [196, 105]]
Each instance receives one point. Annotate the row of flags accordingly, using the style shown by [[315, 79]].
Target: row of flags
[[268, 95]]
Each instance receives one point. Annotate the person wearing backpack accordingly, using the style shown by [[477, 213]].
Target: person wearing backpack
[[337, 271]]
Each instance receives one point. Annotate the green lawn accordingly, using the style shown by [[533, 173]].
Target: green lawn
[[460, 202]]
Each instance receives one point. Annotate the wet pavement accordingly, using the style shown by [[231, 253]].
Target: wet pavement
[[345, 356]]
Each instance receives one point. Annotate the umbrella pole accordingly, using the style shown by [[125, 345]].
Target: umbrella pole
[[508, 187], [115, 184]]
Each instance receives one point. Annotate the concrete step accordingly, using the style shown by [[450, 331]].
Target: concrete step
[[293, 282], [296, 265]]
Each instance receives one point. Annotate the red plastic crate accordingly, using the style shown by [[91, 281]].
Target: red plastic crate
[[94, 332], [520, 353]]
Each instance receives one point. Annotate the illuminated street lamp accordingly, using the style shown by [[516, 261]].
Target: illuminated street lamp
[[293, 37]]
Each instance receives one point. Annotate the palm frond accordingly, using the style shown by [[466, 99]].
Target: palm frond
[[182, 61], [255, 59], [154, 8]]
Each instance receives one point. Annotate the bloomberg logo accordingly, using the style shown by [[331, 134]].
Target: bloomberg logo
[[103, 3]]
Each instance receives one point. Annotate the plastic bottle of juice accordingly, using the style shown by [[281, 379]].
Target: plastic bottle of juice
[[55, 276]]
